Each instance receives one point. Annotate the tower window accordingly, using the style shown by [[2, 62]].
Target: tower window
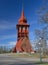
[[23, 28], [20, 28]]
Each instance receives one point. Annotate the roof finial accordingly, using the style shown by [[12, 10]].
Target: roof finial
[[22, 18], [22, 15], [22, 9], [22, 5]]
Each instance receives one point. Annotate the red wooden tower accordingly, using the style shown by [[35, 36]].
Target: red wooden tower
[[23, 43]]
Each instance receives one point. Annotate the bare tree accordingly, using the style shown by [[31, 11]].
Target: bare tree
[[43, 19], [43, 12]]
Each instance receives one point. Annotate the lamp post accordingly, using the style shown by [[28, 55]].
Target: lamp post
[[40, 52]]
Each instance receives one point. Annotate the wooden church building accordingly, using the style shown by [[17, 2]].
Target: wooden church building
[[23, 42]]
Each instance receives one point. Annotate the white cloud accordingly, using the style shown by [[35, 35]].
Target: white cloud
[[6, 25], [5, 37], [12, 43], [9, 44]]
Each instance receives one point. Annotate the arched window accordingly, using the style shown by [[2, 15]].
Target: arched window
[[19, 29], [27, 28], [23, 28]]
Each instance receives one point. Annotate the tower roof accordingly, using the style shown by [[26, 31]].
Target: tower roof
[[22, 19]]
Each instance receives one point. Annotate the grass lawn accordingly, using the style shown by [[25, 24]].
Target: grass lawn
[[34, 55], [28, 55], [41, 63]]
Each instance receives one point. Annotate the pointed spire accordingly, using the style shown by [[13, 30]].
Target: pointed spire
[[22, 19], [22, 15]]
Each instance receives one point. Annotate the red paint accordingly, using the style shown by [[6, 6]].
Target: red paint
[[23, 42]]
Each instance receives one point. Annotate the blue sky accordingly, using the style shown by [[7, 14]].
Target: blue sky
[[10, 11]]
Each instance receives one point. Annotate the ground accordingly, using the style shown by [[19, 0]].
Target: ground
[[21, 59]]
